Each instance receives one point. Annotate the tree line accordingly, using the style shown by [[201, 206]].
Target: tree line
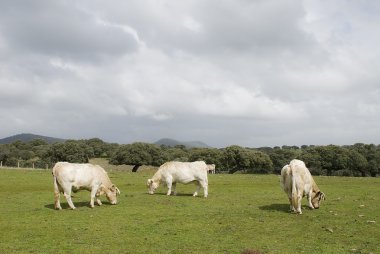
[[332, 160]]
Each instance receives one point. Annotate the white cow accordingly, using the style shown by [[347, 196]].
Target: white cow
[[211, 168], [175, 172], [71, 176], [297, 182]]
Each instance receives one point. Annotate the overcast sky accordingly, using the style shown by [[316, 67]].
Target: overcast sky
[[246, 72]]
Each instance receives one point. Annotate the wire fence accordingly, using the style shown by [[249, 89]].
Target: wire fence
[[25, 166]]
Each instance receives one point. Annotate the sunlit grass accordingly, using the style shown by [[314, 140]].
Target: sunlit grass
[[242, 212]]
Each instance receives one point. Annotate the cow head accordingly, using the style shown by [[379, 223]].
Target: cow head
[[316, 200], [111, 193], [152, 186]]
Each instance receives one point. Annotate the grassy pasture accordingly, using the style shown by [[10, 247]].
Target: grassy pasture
[[242, 212]]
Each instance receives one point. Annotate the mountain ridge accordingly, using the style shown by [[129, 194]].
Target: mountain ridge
[[188, 144], [27, 137]]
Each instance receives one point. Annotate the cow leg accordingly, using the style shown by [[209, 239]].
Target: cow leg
[[57, 203], [309, 200], [198, 188], [57, 194], [291, 209], [67, 194], [204, 185], [292, 206], [94, 190], [98, 201], [296, 202], [97, 195], [169, 184], [297, 192], [174, 187], [299, 200]]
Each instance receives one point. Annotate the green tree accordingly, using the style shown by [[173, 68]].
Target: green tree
[[209, 155], [70, 151], [282, 156], [38, 142], [313, 160], [99, 147], [5, 153], [374, 164], [358, 163], [327, 154], [372, 155], [138, 154], [259, 162], [175, 153], [235, 158]]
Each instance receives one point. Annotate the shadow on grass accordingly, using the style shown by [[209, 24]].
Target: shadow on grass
[[276, 207], [76, 204], [178, 194]]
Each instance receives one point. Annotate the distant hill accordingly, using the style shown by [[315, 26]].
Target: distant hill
[[26, 137], [188, 144]]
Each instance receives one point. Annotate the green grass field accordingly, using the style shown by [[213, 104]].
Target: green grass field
[[242, 212]]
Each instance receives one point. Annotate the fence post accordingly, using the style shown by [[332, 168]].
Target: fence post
[[1, 164], [33, 165], [18, 164]]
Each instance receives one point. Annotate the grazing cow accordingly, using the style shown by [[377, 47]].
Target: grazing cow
[[73, 177], [175, 172], [297, 182], [211, 168]]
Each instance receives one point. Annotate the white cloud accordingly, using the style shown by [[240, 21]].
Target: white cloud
[[192, 24], [235, 101], [252, 73]]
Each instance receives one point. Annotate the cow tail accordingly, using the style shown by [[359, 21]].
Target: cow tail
[[294, 191], [282, 180], [55, 182]]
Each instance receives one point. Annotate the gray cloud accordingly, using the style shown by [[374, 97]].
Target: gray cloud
[[252, 73], [58, 28]]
